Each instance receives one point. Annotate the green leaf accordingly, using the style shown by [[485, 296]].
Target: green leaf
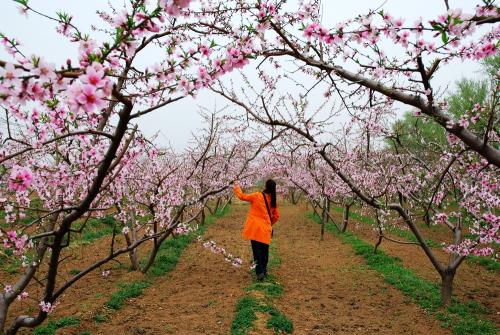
[[118, 35], [437, 27], [22, 2], [444, 37], [52, 103]]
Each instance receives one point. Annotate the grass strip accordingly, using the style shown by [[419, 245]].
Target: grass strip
[[95, 229], [167, 258], [251, 304], [406, 234], [462, 318], [168, 255], [488, 263], [51, 327]]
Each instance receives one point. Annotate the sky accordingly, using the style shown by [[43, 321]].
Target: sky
[[175, 123]]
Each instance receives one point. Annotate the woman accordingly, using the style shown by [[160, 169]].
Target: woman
[[262, 215]]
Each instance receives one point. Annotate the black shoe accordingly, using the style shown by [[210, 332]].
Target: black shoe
[[261, 276]]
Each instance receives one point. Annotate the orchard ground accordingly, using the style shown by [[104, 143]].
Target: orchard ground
[[327, 288]]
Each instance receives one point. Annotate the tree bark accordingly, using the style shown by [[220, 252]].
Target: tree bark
[[345, 220], [447, 286], [3, 313], [202, 217], [132, 253], [324, 217]]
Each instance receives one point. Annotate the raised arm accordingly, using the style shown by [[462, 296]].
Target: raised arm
[[242, 196]]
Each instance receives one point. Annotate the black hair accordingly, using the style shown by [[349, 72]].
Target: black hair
[[271, 189]]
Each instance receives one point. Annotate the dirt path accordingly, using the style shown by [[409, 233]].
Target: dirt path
[[198, 297], [329, 290]]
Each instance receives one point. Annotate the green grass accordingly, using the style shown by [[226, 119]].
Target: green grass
[[279, 322], [269, 287], [51, 327], [100, 318], [406, 234], [126, 291], [168, 255], [95, 229], [462, 318], [249, 305], [489, 263], [245, 315]]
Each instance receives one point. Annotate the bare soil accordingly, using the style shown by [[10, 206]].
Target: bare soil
[[329, 290]]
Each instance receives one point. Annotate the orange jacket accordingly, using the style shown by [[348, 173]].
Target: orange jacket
[[258, 224]]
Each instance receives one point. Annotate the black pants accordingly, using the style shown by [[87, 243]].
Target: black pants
[[260, 256]]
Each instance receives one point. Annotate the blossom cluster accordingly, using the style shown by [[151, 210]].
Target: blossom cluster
[[228, 257], [185, 229], [20, 179], [20, 243], [47, 307]]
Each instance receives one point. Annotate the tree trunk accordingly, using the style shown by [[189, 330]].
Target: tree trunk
[[132, 253], [151, 259], [315, 210], [156, 247], [217, 205], [3, 314], [447, 286], [324, 217], [295, 197], [345, 220], [202, 217]]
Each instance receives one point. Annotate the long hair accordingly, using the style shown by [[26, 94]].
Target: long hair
[[271, 189]]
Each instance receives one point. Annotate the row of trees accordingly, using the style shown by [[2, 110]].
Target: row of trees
[[71, 149], [453, 182]]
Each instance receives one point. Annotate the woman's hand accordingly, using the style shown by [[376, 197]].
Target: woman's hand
[[236, 183]]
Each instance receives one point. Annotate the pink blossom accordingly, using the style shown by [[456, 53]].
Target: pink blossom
[[85, 96], [94, 76], [10, 73], [45, 71], [463, 122], [121, 19], [23, 295], [47, 307], [174, 7], [20, 179], [205, 51], [398, 23]]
